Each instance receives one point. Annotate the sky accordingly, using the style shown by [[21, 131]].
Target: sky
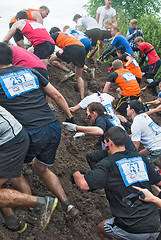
[[61, 12]]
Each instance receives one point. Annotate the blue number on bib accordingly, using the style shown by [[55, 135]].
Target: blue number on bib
[[132, 170], [17, 83], [128, 76], [155, 128]]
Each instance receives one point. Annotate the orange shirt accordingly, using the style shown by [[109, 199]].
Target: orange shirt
[[64, 40], [133, 67], [28, 11], [127, 82]]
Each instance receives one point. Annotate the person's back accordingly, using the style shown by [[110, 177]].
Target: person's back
[[121, 40], [88, 23], [29, 14], [62, 40], [22, 57], [127, 82], [35, 32]]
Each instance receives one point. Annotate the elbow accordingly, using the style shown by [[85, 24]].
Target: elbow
[[100, 132]]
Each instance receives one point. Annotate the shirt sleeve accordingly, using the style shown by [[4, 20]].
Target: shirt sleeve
[[113, 76], [98, 10], [96, 179], [79, 23], [103, 123], [84, 103], [42, 80]]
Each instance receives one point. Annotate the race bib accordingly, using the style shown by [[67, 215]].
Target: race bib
[[155, 128], [36, 25], [128, 76], [17, 83], [132, 170]]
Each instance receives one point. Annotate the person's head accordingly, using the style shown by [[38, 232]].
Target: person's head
[[107, 23], [6, 54], [121, 50], [117, 64], [93, 87], [115, 137], [54, 29], [44, 11], [157, 163], [108, 3], [76, 17], [95, 110], [65, 28], [138, 41], [133, 23], [21, 15], [134, 108], [114, 30]]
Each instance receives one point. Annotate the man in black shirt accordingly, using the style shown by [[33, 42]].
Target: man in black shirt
[[22, 93], [133, 218]]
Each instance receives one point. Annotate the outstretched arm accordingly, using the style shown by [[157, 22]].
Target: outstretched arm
[[58, 98], [107, 87], [11, 32]]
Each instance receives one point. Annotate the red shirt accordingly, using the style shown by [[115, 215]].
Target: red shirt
[[36, 33], [152, 56], [22, 57]]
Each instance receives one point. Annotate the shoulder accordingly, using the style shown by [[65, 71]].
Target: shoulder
[[113, 76]]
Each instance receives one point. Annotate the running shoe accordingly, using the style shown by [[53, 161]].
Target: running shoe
[[18, 226], [46, 212], [67, 76]]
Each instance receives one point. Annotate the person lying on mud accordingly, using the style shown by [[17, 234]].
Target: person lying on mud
[[118, 173], [98, 117], [14, 144], [22, 93]]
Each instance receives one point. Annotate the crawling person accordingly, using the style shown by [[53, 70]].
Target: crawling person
[[71, 50]]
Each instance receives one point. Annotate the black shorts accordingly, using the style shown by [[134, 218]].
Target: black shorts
[[73, 53], [105, 34], [95, 34], [42, 71], [44, 50], [18, 36], [12, 155], [44, 142], [122, 103]]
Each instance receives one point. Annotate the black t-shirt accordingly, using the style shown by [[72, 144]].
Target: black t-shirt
[[54, 36], [116, 174], [124, 56], [30, 107], [112, 78], [104, 123]]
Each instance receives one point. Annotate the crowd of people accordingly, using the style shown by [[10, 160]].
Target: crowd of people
[[30, 132]]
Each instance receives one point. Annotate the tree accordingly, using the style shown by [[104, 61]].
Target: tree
[[131, 8]]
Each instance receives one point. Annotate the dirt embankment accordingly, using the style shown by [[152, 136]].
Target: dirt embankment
[[70, 156]]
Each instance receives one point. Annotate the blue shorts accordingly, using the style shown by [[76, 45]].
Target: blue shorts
[[44, 142]]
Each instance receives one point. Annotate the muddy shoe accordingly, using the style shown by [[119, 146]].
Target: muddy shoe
[[15, 224], [45, 212], [67, 76], [72, 211]]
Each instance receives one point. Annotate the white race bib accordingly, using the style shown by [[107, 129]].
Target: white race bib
[[17, 83], [128, 76], [132, 170]]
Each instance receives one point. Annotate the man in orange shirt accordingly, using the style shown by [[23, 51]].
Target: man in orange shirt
[[34, 15], [128, 84], [72, 50]]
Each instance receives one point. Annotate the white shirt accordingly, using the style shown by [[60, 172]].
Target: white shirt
[[145, 130], [106, 100], [9, 126], [105, 14], [88, 23]]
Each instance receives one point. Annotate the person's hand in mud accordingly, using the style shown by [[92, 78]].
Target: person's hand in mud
[[122, 119], [78, 135]]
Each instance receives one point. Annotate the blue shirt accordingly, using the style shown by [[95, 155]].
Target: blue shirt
[[121, 40]]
